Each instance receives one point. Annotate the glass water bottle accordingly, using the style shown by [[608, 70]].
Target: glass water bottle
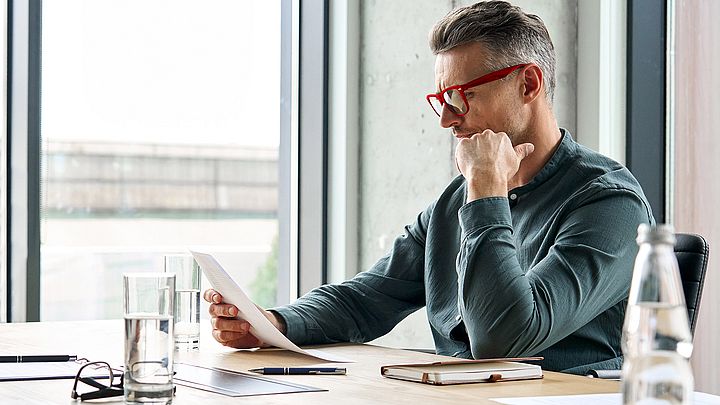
[[657, 342]]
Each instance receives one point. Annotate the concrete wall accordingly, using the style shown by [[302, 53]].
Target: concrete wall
[[406, 159]]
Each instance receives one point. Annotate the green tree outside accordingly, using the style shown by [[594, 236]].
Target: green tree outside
[[264, 286]]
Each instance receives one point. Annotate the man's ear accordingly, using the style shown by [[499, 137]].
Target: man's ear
[[532, 82]]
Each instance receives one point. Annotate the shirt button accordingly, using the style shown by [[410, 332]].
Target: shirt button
[[513, 196], [459, 317]]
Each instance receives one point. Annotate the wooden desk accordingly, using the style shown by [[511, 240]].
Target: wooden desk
[[102, 340]]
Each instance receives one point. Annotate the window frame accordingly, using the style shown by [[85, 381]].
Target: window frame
[[648, 135], [312, 145], [343, 140], [3, 169], [23, 159], [601, 77], [302, 210]]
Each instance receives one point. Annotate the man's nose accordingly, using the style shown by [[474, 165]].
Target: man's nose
[[449, 119]]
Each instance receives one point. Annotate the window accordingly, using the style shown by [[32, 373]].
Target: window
[[149, 127], [157, 134]]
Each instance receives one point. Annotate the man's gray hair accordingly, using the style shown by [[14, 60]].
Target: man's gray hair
[[509, 35]]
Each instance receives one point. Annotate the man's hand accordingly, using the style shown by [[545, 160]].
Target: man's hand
[[488, 161], [231, 331]]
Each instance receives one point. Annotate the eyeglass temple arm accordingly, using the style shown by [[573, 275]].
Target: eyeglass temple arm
[[491, 77], [92, 382], [102, 393]]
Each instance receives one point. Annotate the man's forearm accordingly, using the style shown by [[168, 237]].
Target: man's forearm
[[278, 322]]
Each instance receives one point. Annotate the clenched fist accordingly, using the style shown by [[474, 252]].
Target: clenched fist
[[488, 161]]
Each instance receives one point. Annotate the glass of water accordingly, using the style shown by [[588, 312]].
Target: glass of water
[[148, 310], [187, 300]]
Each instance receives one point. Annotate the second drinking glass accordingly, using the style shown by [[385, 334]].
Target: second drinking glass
[[187, 300]]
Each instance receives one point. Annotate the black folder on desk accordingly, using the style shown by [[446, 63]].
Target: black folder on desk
[[233, 383]]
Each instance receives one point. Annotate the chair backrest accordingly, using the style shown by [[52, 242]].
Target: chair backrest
[[692, 255]]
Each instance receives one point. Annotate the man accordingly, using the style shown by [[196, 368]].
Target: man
[[528, 252]]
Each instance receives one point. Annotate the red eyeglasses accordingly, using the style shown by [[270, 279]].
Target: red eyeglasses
[[454, 96]]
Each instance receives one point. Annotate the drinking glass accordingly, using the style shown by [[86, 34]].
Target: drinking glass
[[187, 300], [148, 310]]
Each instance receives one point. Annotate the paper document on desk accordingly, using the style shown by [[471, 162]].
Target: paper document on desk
[[260, 326], [699, 398], [48, 371]]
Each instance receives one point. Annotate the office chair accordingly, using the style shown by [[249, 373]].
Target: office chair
[[692, 253]]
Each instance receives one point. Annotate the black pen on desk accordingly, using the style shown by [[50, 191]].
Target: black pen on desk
[[299, 370], [36, 359]]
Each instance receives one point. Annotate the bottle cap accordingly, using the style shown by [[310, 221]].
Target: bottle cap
[[661, 233]]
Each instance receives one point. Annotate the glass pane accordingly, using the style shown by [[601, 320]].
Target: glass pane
[[160, 127]]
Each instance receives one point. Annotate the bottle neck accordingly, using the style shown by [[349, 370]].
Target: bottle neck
[[656, 277]]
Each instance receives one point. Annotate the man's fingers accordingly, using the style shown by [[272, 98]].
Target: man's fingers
[[227, 310], [524, 149], [236, 339], [212, 296], [224, 336], [207, 295], [232, 325], [248, 341]]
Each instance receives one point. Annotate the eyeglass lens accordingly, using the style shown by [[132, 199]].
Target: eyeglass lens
[[454, 101]]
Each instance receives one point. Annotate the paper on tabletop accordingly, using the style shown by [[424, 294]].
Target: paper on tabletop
[[260, 326], [593, 399]]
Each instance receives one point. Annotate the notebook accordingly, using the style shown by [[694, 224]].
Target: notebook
[[465, 371]]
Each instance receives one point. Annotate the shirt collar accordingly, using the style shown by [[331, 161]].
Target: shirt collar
[[565, 150]]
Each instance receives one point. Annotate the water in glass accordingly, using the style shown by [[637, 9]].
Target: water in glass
[[187, 315], [149, 358]]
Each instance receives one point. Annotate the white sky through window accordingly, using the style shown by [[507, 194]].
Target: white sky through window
[[162, 71]]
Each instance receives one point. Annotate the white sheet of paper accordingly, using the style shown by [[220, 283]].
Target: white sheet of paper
[[46, 371], [700, 398], [260, 326]]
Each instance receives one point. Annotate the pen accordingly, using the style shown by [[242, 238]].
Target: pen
[[36, 359], [299, 370]]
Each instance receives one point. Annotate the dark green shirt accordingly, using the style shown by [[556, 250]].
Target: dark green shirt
[[545, 271]]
